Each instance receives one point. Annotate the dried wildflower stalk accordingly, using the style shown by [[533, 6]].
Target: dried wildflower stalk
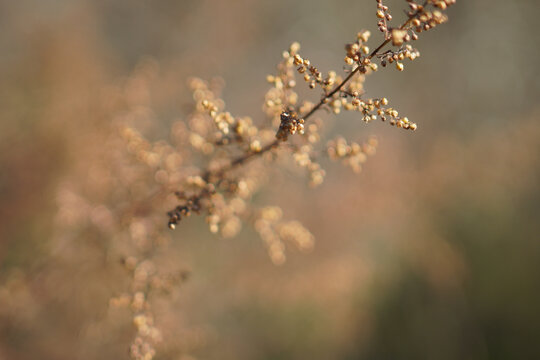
[[208, 167], [233, 141]]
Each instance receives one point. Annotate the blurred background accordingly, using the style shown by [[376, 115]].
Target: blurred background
[[432, 252]]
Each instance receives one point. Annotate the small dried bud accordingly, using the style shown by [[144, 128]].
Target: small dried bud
[[398, 37]]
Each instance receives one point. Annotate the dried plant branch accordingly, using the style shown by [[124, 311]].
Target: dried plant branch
[[206, 167], [226, 144], [417, 11]]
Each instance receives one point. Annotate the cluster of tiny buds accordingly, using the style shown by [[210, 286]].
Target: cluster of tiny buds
[[223, 120], [425, 21], [406, 52], [191, 204], [282, 95], [275, 232], [441, 4], [403, 123], [358, 52], [384, 16], [428, 20], [312, 75], [303, 158], [181, 211], [373, 108], [352, 154], [289, 125]]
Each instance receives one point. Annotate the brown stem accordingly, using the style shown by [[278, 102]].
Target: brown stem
[[239, 161]]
